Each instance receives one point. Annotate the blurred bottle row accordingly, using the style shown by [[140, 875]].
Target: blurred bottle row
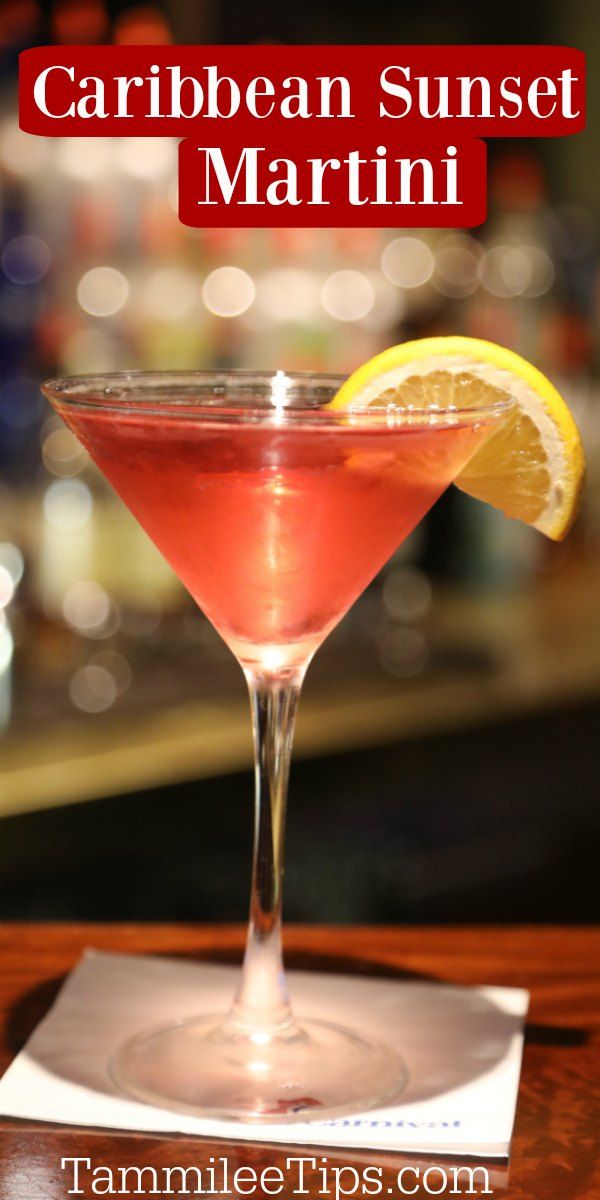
[[98, 274]]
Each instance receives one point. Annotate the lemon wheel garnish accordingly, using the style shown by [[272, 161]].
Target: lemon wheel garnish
[[531, 466]]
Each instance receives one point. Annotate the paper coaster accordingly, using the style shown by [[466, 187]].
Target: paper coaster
[[462, 1045]]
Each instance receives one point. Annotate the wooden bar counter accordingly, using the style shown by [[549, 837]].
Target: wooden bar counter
[[558, 1113]]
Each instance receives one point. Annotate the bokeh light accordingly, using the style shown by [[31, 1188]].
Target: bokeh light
[[18, 21], [228, 292], [408, 262], [86, 158], [506, 271], [407, 594], [117, 665], [7, 586], [542, 271], [403, 652], [170, 294], [102, 292], [89, 351], [62, 454], [68, 505], [147, 158], [142, 25], [93, 689], [347, 295], [20, 401], [389, 304], [79, 22], [12, 561], [25, 259], [22, 154], [86, 606], [457, 266], [6, 647], [288, 294]]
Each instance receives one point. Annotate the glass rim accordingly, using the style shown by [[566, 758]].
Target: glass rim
[[144, 393]]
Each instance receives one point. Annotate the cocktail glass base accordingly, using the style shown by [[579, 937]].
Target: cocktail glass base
[[211, 1068]]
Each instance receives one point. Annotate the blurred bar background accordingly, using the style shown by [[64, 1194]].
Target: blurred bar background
[[447, 760]]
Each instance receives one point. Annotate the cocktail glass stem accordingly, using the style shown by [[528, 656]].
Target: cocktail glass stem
[[261, 1001], [257, 1063]]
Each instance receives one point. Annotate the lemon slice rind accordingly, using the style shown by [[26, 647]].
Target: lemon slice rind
[[531, 391]]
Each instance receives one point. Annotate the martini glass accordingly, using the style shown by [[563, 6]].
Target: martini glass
[[275, 513]]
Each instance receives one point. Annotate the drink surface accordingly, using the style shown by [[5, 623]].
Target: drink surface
[[275, 529]]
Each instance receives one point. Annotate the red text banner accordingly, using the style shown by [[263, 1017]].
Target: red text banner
[[313, 135], [452, 91], [327, 181]]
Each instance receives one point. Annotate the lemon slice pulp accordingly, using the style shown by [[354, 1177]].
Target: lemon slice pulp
[[532, 464]]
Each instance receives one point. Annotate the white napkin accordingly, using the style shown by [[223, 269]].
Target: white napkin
[[462, 1046]]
